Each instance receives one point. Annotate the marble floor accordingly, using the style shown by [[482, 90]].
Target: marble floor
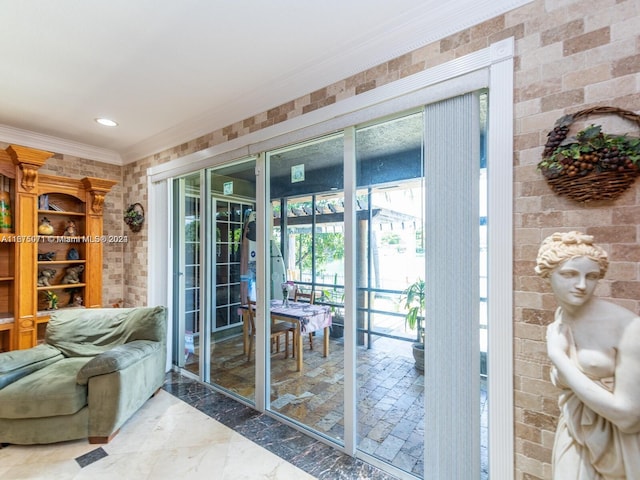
[[189, 430], [166, 439], [312, 456]]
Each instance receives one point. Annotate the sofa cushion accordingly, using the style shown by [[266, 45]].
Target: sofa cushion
[[18, 363], [117, 358], [92, 331], [148, 323], [47, 392]]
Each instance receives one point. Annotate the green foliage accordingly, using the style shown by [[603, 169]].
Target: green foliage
[[592, 143], [192, 231], [329, 247], [391, 239], [134, 217], [414, 302], [52, 298]]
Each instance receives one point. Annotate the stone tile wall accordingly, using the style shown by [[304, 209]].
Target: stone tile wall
[[573, 55], [569, 55]]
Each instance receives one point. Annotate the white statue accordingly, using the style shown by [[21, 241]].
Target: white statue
[[594, 346]]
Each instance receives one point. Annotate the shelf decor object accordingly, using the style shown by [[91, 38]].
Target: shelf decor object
[[52, 300], [134, 217], [49, 216], [592, 165], [6, 223]]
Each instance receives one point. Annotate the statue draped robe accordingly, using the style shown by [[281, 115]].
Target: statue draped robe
[[588, 446]]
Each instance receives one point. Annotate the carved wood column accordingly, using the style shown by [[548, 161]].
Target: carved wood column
[[28, 161], [96, 189]]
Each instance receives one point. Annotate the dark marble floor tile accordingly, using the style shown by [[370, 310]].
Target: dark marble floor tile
[[303, 451], [390, 394], [91, 457]]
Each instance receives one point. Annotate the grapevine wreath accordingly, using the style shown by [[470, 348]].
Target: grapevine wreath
[[592, 165]]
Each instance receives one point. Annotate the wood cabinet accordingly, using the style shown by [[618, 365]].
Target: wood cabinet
[[38, 266]]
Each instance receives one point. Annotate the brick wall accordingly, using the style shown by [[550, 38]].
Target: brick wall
[[570, 54], [577, 55]]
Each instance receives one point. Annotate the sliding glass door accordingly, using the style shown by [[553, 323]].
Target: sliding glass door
[[390, 283], [187, 280], [307, 229], [212, 210], [351, 221], [231, 193]]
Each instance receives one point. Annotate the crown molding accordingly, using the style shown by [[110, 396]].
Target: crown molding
[[53, 144], [421, 28]]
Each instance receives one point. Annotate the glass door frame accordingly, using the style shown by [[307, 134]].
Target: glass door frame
[[207, 272], [179, 285], [491, 67], [263, 273]]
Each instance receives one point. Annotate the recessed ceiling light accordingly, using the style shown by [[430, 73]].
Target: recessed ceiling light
[[106, 122]]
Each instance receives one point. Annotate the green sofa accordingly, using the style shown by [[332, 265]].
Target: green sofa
[[96, 368]]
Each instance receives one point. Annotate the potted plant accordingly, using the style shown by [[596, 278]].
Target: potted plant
[[337, 325], [335, 300], [52, 300], [414, 302]]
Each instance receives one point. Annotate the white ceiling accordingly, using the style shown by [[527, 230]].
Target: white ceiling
[[170, 70]]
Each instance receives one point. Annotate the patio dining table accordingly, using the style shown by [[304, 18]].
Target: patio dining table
[[307, 317]]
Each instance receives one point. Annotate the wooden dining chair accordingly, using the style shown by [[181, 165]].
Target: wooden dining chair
[[278, 329], [309, 298]]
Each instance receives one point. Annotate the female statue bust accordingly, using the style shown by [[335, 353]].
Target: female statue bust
[[594, 346]]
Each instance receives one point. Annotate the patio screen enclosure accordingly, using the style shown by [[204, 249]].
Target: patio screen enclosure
[[347, 212]]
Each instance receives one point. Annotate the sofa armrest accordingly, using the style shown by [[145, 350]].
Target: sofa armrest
[[116, 359], [18, 363]]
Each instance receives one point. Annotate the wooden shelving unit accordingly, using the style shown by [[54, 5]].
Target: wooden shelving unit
[[62, 201]]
